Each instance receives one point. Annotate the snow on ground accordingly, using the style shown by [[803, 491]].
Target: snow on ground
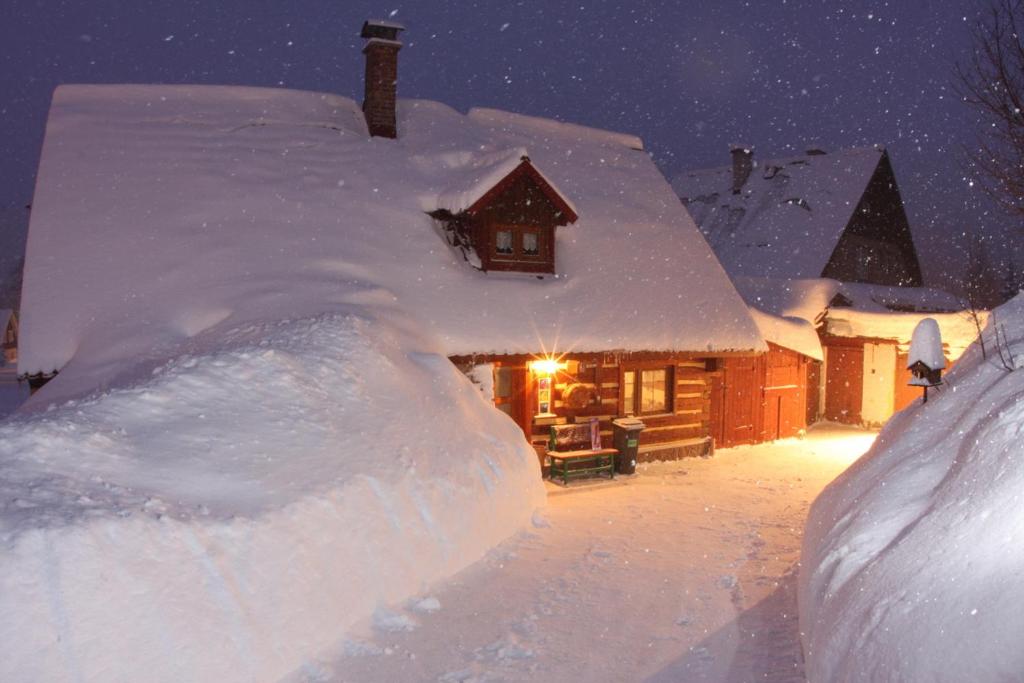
[[912, 560], [685, 572], [231, 516]]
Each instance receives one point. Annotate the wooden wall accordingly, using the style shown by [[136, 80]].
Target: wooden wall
[[759, 399], [681, 431]]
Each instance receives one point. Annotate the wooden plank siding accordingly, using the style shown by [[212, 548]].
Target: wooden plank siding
[[786, 389], [844, 378]]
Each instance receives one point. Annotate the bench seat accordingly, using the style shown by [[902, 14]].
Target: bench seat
[[585, 462]]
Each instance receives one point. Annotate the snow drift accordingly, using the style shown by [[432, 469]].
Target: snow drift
[[229, 516], [911, 560]]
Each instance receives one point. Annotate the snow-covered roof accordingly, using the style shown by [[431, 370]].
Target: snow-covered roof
[[788, 218], [874, 311], [959, 330], [791, 333], [811, 299], [163, 211]]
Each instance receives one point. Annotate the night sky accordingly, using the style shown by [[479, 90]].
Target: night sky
[[689, 77]]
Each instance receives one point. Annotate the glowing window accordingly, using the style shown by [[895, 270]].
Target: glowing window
[[531, 246], [503, 242]]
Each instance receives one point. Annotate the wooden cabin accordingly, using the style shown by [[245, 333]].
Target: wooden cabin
[[550, 261], [821, 237], [865, 377]]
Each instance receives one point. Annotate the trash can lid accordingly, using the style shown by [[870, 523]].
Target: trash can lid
[[629, 423]]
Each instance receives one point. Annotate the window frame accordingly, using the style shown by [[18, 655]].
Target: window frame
[[518, 253], [637, 400]]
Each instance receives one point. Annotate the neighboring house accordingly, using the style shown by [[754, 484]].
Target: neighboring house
[[824, 238], [551, 262], [9, 335], [865, 333], [835, 215]]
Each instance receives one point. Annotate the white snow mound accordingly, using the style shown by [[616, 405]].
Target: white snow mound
[[911, 568], [229, 517]]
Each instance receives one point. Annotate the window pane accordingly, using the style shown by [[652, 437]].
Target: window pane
[[629, 391], [530, 247], [652, 391], [503, 242], [503, 383]]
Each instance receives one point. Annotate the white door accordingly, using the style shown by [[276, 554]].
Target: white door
[[879, 383]]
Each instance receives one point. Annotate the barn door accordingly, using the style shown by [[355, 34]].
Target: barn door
[[879, 383], [741, 404], [844, 377]]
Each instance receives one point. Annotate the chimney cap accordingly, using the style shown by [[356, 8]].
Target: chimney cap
[[746, 149], [379, 28]]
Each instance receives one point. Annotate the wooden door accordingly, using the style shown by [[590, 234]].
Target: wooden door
[[844, 380], [512, 395], [742, 381], [879, 383]]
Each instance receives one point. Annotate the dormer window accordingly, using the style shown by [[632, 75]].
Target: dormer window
[[503, 243], [506, 221]]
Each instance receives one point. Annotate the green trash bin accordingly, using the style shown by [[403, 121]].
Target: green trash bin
[[626, 439]]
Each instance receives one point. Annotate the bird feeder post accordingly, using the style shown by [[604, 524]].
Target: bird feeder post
[[926, 359]]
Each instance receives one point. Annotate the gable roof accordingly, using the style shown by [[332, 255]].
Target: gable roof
[[164, 211], [489, 174], [788, 218]]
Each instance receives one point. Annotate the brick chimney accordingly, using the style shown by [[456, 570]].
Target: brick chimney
[[381, 52], [742, 165]]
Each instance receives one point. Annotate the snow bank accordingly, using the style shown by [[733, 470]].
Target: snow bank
[[911, 562], [226, 518]]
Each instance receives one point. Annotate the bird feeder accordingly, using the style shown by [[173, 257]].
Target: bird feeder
[[926, 361]]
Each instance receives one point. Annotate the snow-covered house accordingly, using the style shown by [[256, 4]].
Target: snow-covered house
[[552, 262], [835, 215], [824, 237], [865, 333]]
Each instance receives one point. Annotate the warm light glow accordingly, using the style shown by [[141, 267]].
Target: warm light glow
[[547, 366]]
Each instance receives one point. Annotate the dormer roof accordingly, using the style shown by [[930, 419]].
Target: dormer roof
[[489, 175]]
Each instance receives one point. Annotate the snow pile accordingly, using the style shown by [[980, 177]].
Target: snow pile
[[926, 345], [911, 562], [228, 517]]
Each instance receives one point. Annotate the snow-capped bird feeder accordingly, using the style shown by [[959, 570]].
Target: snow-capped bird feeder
[[926, 360]]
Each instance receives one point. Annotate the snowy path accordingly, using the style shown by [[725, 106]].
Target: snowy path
[[684, 573]]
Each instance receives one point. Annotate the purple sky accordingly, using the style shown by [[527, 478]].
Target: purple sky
[[688, 77]]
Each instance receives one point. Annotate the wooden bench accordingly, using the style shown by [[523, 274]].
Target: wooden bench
[[572, 456]]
